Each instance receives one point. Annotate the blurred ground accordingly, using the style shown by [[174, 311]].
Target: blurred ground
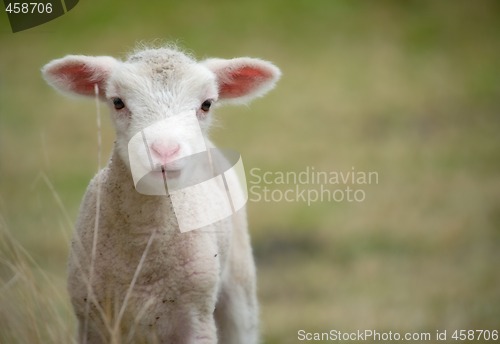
[[407, 89]]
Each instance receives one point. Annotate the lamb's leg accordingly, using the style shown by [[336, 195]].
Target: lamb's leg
[[204, 332], [236, 313]]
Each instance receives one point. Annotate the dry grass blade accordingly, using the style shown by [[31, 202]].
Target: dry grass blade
[[98, 207], [24, 287], [131, 286]]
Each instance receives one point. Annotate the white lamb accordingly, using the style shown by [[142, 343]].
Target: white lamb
[[134, 277]]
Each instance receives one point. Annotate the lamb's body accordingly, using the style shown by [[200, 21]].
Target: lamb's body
[[184, 275], [133, 276]]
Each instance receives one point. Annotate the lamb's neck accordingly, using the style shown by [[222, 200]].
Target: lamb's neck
[[132, 207]]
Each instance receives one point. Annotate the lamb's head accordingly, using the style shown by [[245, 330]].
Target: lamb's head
[[162, 97]]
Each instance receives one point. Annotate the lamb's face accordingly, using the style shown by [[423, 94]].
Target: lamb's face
[[160, 102]]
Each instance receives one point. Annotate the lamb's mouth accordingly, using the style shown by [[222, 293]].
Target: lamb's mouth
[[166, 173]]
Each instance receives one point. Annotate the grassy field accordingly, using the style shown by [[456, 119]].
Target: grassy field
[[409, 90]]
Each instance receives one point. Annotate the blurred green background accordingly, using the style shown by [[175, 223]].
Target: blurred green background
[[409, 89]]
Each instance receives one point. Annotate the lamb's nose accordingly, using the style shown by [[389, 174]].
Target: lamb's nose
[[165, 150]]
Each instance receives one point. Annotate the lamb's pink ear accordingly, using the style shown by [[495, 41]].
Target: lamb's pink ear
[[79, 74], [242, 79]]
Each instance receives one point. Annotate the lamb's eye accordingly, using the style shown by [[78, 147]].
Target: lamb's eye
[[118, 103], [205, 106]]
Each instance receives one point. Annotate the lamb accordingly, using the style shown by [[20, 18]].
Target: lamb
[[135, 276]]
